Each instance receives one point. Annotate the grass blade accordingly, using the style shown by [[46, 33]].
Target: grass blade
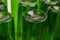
[[14, 4]]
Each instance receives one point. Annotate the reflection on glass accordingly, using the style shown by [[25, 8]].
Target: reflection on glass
[[35, 16]]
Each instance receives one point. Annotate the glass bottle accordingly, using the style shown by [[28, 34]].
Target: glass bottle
[[23, 5], [35, 17], [29, 13], [5, 23], [53, 9], [52, 15]]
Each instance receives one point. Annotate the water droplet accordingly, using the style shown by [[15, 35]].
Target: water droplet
[[35, 16]]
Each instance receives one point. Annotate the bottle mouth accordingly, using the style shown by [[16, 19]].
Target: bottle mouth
[[50, 2], [26, 3], [2, 6], [54, 8], [35, 16], [4, 17]]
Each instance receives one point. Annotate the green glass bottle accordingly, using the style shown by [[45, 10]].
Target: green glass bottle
[[23, 5], [6, 23], [31, 19], [52, 15], [52, 9]]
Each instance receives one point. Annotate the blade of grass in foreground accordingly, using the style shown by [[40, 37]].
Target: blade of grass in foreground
[[14, 4]]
